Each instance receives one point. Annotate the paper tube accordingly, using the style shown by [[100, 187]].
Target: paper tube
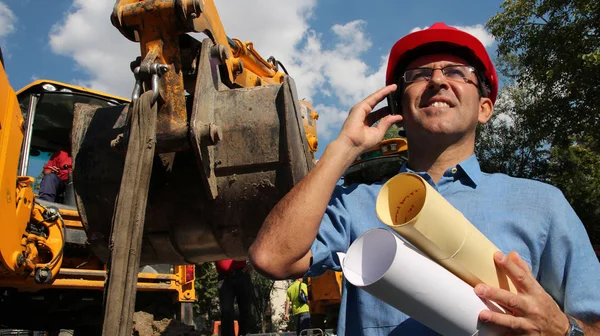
[[415, 210], [384, 266]]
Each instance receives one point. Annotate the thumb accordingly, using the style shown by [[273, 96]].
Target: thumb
[[386, 122]]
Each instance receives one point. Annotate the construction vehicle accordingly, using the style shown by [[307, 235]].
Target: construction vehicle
[[50, 279], [380, 162], [213, 139]]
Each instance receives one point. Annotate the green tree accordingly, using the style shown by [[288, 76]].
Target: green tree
[[207, 291], [263, 311], [576, 171], [552, 47], [550, 50], [506, 145]]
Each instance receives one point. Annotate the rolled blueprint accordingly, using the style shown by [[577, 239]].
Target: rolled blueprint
[[409, 205], [389, 269]]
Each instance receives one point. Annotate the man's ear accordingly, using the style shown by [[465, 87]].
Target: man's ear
[[486, 108]]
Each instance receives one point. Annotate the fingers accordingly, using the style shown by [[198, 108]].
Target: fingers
[[515, 324], [515, 304], [379, 95], [516, 258], [379, 114], [386, 123], [373, 117], [519, 273]]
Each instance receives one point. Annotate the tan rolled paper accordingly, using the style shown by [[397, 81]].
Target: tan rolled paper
[[415, 210]]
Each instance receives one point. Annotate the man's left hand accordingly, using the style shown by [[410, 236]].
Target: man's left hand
[[530, 312]]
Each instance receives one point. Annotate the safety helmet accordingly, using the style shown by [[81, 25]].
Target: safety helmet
[[440, 33]]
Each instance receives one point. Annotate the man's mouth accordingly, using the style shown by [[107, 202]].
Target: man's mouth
[[438, 104]]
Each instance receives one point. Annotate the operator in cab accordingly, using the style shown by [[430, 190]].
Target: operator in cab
[[56, 175]]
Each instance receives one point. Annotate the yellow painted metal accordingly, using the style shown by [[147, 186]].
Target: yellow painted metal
[[186, 289], [18, 208], [40, 82], [94, 280], [325, 291], [15, 203], [309, 118], [157, 25]]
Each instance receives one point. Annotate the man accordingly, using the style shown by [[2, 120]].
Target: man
[[56, 175], [446, 85], [300, 309], [235, 282]]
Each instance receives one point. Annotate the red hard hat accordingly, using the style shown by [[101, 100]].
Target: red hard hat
[[441, 33]]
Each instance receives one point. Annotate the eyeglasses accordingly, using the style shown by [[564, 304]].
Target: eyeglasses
[[455, 72]]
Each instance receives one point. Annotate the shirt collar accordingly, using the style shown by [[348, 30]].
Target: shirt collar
[[469, 167]]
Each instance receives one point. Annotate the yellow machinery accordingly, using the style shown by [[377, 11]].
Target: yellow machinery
[[380, 162], [49, 276], [214, 137]]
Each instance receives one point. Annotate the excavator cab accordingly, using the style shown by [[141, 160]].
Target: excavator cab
[[47, 107]]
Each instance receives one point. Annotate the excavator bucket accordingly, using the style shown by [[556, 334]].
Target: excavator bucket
[[247, 148]]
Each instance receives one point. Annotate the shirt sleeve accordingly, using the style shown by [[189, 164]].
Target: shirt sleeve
[[52, 161], [569, 268], [333, 236]]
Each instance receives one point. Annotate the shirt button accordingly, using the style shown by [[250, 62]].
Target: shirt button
[[454, 170]]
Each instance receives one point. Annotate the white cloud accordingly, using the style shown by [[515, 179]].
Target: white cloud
[[480, 33], [477, 30], [333, 69], [7, 20], [330, 120], [86, 35]]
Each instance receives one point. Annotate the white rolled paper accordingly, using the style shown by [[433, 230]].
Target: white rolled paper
[[386, 267]]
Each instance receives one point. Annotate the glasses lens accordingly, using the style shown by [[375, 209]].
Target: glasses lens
[[457, 72], [417, 75], [451, 72]]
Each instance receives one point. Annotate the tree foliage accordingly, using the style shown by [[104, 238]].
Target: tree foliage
[[552, 47], [506, 145], [576, 171], [549, 56]]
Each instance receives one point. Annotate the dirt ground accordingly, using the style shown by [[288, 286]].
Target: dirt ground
[[144, 325]]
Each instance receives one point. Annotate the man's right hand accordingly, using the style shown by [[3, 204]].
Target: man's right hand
[[286, 317], [357, 131]]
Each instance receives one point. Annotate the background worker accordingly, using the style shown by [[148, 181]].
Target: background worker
[[235, 284], [300, 308], [56, 175], [444, 84]]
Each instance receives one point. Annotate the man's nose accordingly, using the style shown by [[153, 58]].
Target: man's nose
[[438, 80]]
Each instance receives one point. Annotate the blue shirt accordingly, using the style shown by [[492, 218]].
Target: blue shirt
[[523, 215]]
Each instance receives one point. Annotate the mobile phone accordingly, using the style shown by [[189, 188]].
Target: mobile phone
[[393, 104]]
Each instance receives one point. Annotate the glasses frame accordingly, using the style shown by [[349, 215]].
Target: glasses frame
[[466, 80]]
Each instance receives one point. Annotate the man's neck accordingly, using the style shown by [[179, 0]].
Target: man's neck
[[435, 158]]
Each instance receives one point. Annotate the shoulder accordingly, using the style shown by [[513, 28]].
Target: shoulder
[[355, 191], [521, 189]]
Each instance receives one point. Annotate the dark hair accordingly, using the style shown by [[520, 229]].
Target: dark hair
[[483, 86]]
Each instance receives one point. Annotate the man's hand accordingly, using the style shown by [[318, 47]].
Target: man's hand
[[54, 169], [530, 312], [357, 130], [286, 317]]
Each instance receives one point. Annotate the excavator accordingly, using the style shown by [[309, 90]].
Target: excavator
[[50, 279], [215, 135]]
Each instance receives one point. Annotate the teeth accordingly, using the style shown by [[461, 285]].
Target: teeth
[[439, 104]]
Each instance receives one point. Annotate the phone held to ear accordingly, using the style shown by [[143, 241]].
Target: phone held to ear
[[393, 104]]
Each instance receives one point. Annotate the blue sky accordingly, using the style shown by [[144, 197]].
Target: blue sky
[[335, 50]]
